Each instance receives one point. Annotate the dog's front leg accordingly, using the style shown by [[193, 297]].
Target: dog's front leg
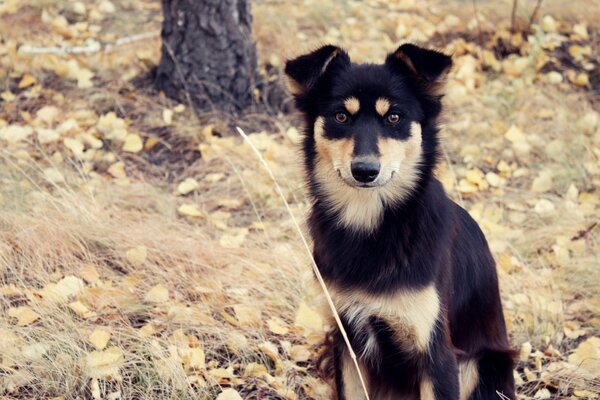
[[440, 379], [347, 381]]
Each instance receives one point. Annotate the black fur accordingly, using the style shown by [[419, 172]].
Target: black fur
[[423, 240]]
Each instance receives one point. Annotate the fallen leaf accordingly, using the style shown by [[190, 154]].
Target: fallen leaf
[[277, 326], [136, 256], [54, 176], [15, 133], [248, 315], [157, 294], [69, 286], [542, 394], [99, 338], [89, 273], [587, 355], [188, 185], [24, 315], [105, 364], [133, 143], [190, 210], [235, 239], [229, 394], [117, 170], [26, 81], [308, 318], [300, 353], [167, 115], [543, 182], [544, 207], [80, 309]]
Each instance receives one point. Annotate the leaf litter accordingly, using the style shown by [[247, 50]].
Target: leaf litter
[[186, 279]]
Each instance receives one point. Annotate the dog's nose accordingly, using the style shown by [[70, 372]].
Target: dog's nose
[[365, 171]]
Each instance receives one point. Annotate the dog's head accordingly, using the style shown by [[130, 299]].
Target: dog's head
[[371, 128]]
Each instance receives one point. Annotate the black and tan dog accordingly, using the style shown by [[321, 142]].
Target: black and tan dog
[[409, 270]]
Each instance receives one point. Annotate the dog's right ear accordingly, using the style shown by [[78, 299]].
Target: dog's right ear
[[305, 71]]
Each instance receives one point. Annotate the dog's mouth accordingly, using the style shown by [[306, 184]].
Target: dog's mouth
[[377, 183]]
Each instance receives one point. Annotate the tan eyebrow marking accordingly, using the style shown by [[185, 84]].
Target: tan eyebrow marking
[[382, 106], [352, 105]]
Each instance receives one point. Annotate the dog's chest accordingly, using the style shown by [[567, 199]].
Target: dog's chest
[[409, 316]]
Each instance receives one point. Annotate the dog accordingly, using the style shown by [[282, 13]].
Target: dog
[[409, 271]]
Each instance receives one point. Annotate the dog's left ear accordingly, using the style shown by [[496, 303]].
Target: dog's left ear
[[428, 67]]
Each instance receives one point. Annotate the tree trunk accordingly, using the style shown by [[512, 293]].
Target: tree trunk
[[208, 56]]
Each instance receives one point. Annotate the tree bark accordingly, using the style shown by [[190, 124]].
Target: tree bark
[[208, 56]]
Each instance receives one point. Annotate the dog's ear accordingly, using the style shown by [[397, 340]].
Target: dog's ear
[[304, 72], [428, 67]]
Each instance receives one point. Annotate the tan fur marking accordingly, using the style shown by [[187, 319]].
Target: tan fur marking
[[426, 389], [403, 157], [353, 390], [352, 105], [469, 378], [382, 106], [412, 314], [362, 209]]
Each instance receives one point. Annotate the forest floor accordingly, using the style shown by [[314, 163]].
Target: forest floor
[[144, 250]]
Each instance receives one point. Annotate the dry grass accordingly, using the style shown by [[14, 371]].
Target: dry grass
[[50, 231]]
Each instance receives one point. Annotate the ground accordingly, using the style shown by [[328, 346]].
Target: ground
[[145, 252]]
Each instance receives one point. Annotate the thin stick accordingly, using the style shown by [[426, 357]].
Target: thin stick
[[513, 16], [534, 14], [93, 47], [336, 316]]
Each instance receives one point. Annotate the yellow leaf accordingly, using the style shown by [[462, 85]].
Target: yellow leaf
[[27, 80], [157, 294], [277, 326], [581, 30], [105, 364], [248, 315], [89, 273], [544, 207], [15, 133], [255, 370], [229, 394], [230, 203], [549, 24], [54, 176], [24, 315], [167, 115], [194, 358], [235, 239], [74, 145], [587, 355], [133, 143], [69, 286], [308, 318], [117, 170], [189, 210], [136, 256], [543, 182], [300, 353], [80, 309], [514, 134], [525, 351], [99, 338], [188, 185]]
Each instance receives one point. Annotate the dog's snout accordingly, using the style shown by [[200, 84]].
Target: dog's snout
[[365, 171]]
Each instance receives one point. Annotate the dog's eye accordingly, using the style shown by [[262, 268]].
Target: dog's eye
[[341, 117], [393, 119]]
